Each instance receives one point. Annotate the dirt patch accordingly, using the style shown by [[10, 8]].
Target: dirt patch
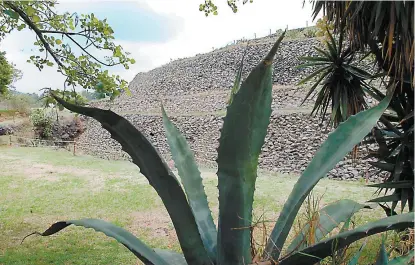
[[51, 173], [157, 222], [95, 179]]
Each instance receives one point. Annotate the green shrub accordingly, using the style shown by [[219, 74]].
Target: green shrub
[[42, 121], [242, 136]]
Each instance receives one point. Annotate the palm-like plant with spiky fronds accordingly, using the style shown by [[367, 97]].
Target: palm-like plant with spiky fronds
[[340, 83]]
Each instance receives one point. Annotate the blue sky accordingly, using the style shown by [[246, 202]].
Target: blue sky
[[131, 20], [158, 31]]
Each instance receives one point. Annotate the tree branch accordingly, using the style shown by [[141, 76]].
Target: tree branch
[[27, 20], [69, 34], [81, 33], [93, 57], [63, 32]]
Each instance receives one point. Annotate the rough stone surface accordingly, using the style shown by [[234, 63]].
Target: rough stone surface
[[68, 129], [195, 92], [6, 129], [216, 71], [289, 146]]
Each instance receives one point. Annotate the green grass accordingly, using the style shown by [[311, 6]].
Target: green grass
[[7, 112], [40, 186]]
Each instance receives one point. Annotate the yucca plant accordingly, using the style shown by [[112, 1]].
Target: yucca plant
[[340, 83], [242, 136]]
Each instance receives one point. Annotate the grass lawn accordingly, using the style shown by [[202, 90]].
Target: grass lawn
[[40, 186]]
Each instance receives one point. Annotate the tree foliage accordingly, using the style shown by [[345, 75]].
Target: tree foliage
[[20, 102], [89, 95], [68, 41], [209, 7], [6, 74]]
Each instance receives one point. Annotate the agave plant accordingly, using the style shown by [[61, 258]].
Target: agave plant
[[242, 136], [394, 155]]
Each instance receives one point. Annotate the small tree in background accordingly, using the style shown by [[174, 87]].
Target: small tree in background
[[6, 74], [42, 121]]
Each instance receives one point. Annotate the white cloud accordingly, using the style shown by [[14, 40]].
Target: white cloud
[[198, 34], [15, 46]]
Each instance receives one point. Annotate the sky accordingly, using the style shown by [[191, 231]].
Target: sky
[[157, 31]]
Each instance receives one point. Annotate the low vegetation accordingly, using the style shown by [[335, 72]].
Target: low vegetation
[[39, 186], [42, 121]]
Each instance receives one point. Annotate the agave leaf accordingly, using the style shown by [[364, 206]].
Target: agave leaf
[[400, 160], [242, 136], [395, 152], [344, 106], [135, 245], [192, 183], [314, 74], [394, 204], [314, 59], [391, 117], [324, 53], [154, 168], [332, 46], [393, 185], [346, 224], [336, 102], [357, 71], [356, 256], [387, 198], [237, 82], [312, 89], [382, 258], [310, 64], [388, 211], [404, 198], [384, 166], [389, 133], [329, 218], [368, 90], [407, 117], [338, 144], [325, 248], [379, 20], [403, 260], [171, 257]]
